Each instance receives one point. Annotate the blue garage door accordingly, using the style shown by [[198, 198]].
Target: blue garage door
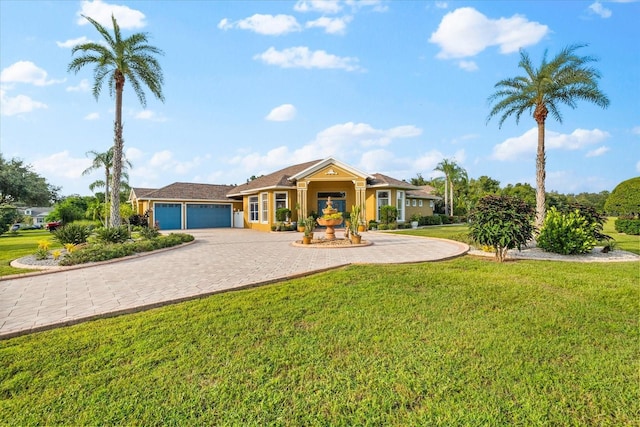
[[208, 216], [167, 215]]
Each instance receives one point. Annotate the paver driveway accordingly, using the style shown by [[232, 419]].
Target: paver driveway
[[219, 259]]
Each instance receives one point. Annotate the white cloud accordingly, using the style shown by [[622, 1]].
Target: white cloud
[[322, 6], [330, 25], [598, 151], [10, 106], [165, 161], [282, 113], [442, 4], [263, 24], [149, 115], [468, 65], [600, 10], [73, 42], [133, 153], [363, 135], [638, 166], [466, 32], [61, 165], [83, 86], [302, 57], [92, 116], [635, 130], [340, 141], [26, 72], [375, 5], [101, 12], [526, 144]]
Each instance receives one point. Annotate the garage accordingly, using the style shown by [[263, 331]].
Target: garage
[[168, 216], [208, 216]]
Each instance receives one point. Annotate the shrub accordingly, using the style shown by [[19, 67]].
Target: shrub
[[282, 214], [625, 198], [383, 227], [503, 222], [567, 233], [388, 214], [118, 234], [628, 226], [105, 251], [430, 220], [75, 233], [148, 232]]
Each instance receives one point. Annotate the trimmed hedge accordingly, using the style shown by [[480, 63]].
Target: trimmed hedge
[[628, 226], [106, 251]]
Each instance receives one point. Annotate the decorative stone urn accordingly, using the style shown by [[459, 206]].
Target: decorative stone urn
[[330, 218]]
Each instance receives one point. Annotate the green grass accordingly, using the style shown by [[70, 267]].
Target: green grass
[[19, 244], [463, 342]]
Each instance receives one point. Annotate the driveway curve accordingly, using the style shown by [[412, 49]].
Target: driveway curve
[[218, 260]]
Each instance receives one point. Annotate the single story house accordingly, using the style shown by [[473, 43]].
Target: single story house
[[303, 188]]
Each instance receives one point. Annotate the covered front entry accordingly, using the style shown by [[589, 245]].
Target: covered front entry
[[208, 216], [168, 216]]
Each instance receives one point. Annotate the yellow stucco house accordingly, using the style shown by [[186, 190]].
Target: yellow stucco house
[[302, 188]]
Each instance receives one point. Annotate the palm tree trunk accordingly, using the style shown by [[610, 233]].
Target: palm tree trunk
[[107, 177], [117, 153], [451, 192], [540, 115], [446, 194]]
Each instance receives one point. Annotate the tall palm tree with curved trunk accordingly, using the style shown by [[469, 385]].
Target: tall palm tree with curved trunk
[[104, 161], [116, 61], [565, 79]]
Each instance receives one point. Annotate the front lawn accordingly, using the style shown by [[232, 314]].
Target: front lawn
[[463, 342], [19, 244]]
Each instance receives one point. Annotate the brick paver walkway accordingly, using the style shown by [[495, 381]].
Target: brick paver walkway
[[218, 260]]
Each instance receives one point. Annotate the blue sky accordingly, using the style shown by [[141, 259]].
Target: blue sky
[[386, 86]]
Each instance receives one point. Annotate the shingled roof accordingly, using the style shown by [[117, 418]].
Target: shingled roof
[[380, 180], [423, 192], [141, 191], [190, 191], [278, 179]]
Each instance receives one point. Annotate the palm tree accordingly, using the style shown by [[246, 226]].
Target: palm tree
[[105, 161], [452, 173], [115, 61], [565, 79]]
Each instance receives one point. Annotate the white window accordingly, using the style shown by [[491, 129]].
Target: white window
[[400, 204], [264, 217], [421, 203], [383, 200], [408, 203], [280, 201], [431, 204], [414, 202], [253, 209]]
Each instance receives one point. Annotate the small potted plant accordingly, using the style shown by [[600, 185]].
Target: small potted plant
[[309, 225], [356, 238], [415, 220], [300, 224]]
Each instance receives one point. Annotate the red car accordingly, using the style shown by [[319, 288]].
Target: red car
[[51, 226]]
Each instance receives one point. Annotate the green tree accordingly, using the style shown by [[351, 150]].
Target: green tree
[[21, 185], [116, 60], [453, 174], [104, 161], [70, 209], [565, 79], [625, 199], [502, 222], [522, 191], [479, 188]]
